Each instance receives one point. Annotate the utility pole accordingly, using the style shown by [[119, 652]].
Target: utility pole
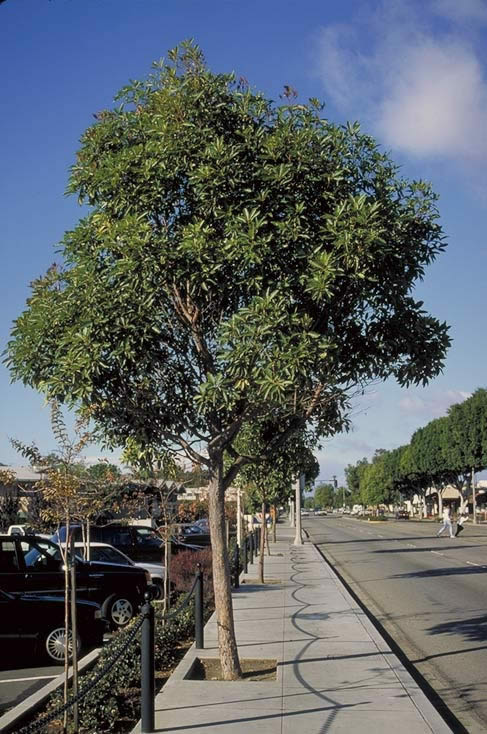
[[299, 485], [291, 512], [474, 498], [239, 519]]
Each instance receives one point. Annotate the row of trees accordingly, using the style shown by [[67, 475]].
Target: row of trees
[[243, 269], [445, 452]]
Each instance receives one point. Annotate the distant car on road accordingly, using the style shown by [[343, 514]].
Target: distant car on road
[[402, 515], [34, 623], [321, 512]]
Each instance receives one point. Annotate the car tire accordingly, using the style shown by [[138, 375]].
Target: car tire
[[158, 590], [55, 644], [120, 611]]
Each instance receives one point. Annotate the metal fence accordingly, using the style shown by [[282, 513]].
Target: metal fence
[[145, 621]]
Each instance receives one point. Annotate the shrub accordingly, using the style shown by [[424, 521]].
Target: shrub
[[113, 705], [183, 569]]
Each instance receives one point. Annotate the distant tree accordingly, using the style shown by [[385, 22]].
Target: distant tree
[[465, 442], [412, 471], [373, 489], [37, 513], [9, 501], [103, 470], [240, 261], [324, 496], [353, 473], [269, 483]]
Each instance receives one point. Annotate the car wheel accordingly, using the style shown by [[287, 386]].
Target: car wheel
[[121, 611], [158, 590], [55, 644]]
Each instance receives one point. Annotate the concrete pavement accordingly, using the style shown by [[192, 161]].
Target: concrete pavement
[[335, 673]]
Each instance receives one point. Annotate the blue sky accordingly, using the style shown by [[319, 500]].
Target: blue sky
[[413, 72]]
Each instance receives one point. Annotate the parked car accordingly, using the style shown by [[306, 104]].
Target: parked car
[[402, 515], [25, 530], [34, 623], [204, 523], [192, 534], [321, 512], [108, 554], [138, 542], [33, 564]]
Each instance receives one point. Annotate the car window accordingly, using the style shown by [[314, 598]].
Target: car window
[[41, 555], [8, 556], [109, 555], [117, 536], [146, 536]]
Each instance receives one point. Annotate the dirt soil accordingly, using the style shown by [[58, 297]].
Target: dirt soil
[[252, 670]]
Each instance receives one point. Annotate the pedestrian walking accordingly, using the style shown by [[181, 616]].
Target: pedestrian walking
[[461, 520], [446, 523]]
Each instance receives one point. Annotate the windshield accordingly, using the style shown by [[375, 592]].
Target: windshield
[[110, 555]]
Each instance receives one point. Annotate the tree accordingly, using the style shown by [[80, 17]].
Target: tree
[[324, 496], [373, 480], [465, 441], [240, 261], [103, 470], [9, 501], [353, 474], [269, 483]]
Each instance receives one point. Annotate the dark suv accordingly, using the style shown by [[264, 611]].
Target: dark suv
[[138, 542], [30, 563]]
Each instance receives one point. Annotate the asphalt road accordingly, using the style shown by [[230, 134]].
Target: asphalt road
[[428, 593], [22, 677]]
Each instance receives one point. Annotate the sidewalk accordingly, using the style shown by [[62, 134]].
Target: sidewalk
[[335, 673]]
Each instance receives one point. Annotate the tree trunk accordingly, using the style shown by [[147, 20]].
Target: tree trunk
[[262, 546], [66, 618], [227, 643], [274, 517]]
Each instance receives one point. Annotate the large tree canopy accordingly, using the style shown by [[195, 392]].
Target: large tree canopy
[[241, 261]]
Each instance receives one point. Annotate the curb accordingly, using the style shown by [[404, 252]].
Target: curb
[[33, 703]]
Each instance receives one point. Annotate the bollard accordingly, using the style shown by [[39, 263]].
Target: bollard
[[199, 642], [237, 567], [245, 558], [147, 667], [251, 548]]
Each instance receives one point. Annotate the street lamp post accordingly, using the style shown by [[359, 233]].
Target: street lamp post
[[299, 485]]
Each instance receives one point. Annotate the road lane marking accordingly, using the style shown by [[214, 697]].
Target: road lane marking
[[410, 545], [471, 563], [35, 677], [438, 553]]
